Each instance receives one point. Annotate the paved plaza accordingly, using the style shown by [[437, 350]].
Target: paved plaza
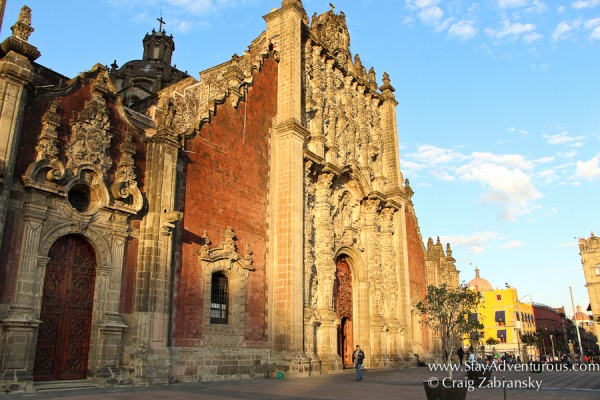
[[377, 384]]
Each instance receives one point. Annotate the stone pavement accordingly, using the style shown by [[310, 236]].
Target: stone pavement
[[376, 384]]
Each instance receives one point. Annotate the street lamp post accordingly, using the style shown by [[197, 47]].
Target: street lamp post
[[552, 342], [576, 325]]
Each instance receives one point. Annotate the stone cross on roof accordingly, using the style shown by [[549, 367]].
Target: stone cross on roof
[[160, 23]]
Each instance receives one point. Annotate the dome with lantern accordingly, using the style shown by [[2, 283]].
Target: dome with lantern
[[480, 284], [580, 316]]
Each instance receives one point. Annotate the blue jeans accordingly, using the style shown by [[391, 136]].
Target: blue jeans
[[358, 374]]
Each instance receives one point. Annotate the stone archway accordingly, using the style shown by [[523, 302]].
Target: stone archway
[[343, 307], [68, 297]]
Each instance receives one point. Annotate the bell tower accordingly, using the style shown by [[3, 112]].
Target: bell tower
[[589, 249], [158, 46]]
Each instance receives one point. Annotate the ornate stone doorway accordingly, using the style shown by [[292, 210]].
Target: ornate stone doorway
[[66, 313], [343, 306]]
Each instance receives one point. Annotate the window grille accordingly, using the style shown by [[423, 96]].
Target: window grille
[[218, 299]]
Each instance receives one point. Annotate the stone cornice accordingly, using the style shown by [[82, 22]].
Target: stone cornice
[[19, 46]]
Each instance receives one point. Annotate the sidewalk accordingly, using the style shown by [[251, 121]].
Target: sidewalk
[[376, 384]]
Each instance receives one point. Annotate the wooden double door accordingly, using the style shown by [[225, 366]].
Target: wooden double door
[[66, 314], [343, 306]]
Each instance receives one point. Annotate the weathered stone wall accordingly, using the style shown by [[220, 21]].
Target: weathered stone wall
[[194, 364], [418, 281]]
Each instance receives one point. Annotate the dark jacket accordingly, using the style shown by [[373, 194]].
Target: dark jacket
[[358, 358]]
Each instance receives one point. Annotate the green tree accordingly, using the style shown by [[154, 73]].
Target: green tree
[[446, 310], [533, 339]]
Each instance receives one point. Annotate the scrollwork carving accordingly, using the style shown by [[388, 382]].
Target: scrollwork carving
[[90, 137]]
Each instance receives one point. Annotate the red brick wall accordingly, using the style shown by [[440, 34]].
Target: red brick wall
[[416, 263], [227, 185]]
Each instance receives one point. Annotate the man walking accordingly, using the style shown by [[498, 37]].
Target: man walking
[[357, 357]]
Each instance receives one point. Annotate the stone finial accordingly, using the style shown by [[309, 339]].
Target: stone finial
[[22, 28], [448, 250], [372, 79], [476, 272], [297, 3]]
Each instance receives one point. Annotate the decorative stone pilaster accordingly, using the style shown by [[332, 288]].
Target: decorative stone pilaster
[[149, 356], [325, 266], [370, 212], [391, 157], [16, 57], [285, 270], [390, 283]]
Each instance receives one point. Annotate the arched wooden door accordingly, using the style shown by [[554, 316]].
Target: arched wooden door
[[66, 314], [343, 304]]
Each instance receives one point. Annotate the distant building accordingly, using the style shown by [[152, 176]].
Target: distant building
[[587, 332], [552, 324], [589, 249], [504, 317]]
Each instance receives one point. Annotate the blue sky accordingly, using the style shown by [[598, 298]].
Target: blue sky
[[498, 115]]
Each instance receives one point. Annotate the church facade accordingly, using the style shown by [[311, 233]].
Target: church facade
[[250, 222]]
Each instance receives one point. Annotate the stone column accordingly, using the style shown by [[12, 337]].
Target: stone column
[[285, 269], [19, 332], [404, 311], [16, 57], [390, 283], [325, 263], [371, 209], [149, 357], [391, 157]]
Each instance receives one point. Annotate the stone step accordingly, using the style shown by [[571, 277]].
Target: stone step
[[70, 384]]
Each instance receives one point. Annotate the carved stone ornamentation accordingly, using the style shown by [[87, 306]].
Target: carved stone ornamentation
[[90, 137], [47, 151], [332, 31], [125, 186], [22, 28], [228, 251]]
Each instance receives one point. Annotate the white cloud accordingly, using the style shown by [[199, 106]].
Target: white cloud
[[476, 240], [514, 29], [443, 175], [513, 244], [594, 26], [549, 175], [431, 15], [545, 160], [579, 4], [512, 3], [529, 6], [433, 155], [564, 138], [508, 187], [532, 37], [476, 249], [588, 170], [562, 31], [463, 30]]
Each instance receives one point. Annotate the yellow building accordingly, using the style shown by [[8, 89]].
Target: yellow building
[[504, 317]]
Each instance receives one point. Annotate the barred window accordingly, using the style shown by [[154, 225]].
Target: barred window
[[218, 298]]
